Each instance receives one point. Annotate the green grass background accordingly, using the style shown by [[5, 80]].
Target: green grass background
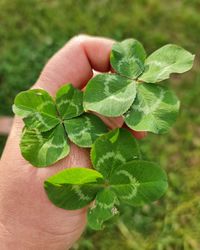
[[31, 31]]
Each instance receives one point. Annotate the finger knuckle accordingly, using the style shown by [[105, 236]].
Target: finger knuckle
[[79, 39]]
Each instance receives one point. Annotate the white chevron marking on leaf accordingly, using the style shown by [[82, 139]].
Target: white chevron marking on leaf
[[106, 84], [119, 99], [104, 205], [86, 129], [40, 118], [134, 185], [130, 195], [63, 102], [88, 122], [126, 173], [39, 136], [80, 194], [44, 104], [124, 61], [109, 155], [147, 109], [51, 145]]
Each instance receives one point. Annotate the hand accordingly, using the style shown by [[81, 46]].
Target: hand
[[28, 220]]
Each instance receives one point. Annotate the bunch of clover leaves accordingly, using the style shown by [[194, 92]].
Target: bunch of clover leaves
[[120, 174], [49, 124]]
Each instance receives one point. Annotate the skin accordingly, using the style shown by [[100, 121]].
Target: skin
[[5, 125], [28, 220]]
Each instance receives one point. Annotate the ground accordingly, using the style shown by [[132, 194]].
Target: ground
[[31, 31]]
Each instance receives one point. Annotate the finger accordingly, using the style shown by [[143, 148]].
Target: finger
[[111, 122], [75, 63], [137, 134]]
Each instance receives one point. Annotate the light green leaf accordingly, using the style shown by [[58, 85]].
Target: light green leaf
[[73, 188], [127, 58], [37, 108], [44, 149], [109, 94], [138, 182], [115, 148], [69, 101], [85, 129], [155, 109], [76, 176], [102, 209], [165, 61]]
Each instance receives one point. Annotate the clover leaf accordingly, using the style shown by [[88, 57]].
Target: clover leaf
[[73, 188], [103, 208], [165, 61], [85, 129], [114, 148], [128, 57], [132, 90], [109, 94], [119, 175], [43, 149], [50, 123], [69, 102], [155, 109], [37, 108]]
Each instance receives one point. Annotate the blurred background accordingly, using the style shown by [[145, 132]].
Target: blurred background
[[31, 31]]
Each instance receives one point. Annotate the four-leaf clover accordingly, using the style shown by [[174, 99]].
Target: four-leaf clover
[[119, 175], [132, 91], [49, 124]]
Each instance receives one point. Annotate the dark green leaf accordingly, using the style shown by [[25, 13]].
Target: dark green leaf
[[69, 101], [113, 149], [127, 58], [138, 182], [102, 209]]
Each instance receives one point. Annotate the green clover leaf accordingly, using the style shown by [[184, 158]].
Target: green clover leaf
[[131, 92], [112, 149], [138, 182], [69, 102], [129, 179], [109, 94], [128, 57], [155, 109], [85, 129], [73, 188], [165, 61], [49, 124], [37, 108], [44, 149], [103, 208]]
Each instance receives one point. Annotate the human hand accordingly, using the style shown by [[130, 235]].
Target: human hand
[[28, 220]]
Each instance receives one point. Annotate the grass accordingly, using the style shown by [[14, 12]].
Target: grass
[[31, 31]]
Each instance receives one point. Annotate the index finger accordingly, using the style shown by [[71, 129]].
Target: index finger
[[75, 63]]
